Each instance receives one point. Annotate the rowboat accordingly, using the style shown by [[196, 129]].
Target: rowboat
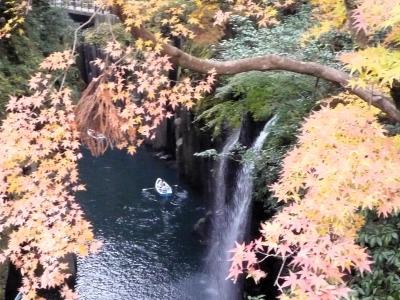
[[163, 188]]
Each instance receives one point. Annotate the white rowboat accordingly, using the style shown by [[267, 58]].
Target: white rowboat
[[163, 188]]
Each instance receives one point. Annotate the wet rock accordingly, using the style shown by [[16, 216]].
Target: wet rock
[[163, 156], [203, 227], [13, 282], [189, 140], [160, 142], [166, 157], [249, 130], [4, 268], [88, 53]]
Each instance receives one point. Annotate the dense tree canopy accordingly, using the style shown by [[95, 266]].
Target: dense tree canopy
[[344, 161]]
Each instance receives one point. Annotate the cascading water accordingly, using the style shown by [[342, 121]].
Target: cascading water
[[219, 222], [230, 217], [220, 179]]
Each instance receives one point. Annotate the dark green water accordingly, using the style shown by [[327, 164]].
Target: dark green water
[[149, 250]]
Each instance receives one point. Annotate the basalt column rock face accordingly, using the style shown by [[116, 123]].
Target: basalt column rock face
[[160, 142], [249, 130], [88, 53], [189, 139], [164, 141]]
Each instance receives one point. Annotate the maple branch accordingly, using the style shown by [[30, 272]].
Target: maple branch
[[274, 62], [75, 42], [276, 283]]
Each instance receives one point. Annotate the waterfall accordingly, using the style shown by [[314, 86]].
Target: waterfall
[[220, 180], [230, 218]]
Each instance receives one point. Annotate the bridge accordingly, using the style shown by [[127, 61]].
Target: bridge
[[81, 10], [77, 7]]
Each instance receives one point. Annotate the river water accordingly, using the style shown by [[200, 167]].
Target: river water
[[149, 250]]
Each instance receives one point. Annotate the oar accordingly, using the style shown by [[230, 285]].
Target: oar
[[175, 185]]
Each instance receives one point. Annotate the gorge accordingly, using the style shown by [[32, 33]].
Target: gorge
[[276, 123]]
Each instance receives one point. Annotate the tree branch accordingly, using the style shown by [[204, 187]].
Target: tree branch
[[274, 63]]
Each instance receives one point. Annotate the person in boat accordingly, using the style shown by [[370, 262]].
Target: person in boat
[[163, 185]]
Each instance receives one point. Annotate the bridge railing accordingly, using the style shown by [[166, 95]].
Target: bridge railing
[[75, 5]]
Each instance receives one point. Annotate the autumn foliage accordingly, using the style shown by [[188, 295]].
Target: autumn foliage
[[344, 161], [131, 98], [15, 11], [343, 164], [39, 178], [41, 140]]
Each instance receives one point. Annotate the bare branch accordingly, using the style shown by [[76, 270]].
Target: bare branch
[[74, 45], [275, 63]]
